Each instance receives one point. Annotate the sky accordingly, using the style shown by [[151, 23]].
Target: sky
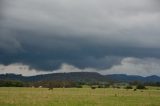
[[104, 36]]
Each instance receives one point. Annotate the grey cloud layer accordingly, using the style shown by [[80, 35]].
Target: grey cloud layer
[[86, 33], [130, 66], [117, 22]]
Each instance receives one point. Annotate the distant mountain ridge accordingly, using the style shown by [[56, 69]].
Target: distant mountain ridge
[[80, 77]]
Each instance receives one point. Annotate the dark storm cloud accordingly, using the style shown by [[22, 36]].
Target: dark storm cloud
[[1, 8], [87, 33]]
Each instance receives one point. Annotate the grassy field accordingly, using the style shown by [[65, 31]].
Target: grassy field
[[78, 97]]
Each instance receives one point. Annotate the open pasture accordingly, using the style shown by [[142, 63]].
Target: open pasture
[[78, 97]]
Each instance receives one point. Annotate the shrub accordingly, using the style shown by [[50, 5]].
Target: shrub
[[10, 83], [79, 86], [128, 87], [134, 89], [100, 86], [93, 87], [140, 86]]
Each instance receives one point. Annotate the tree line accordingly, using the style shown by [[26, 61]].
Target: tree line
[[70, 84]]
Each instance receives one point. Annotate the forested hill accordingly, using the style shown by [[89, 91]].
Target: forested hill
[[81, 77]]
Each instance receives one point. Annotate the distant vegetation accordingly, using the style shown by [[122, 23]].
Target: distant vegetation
[[85, 77], [78, 80], [10, 83], [71, 84]]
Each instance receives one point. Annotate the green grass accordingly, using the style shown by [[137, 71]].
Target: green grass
[[78, 97]]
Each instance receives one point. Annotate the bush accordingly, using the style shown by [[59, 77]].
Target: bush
[[100, 86], [128, 87], [10, 83], [93, 87], [140, 86], [79, 86]]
